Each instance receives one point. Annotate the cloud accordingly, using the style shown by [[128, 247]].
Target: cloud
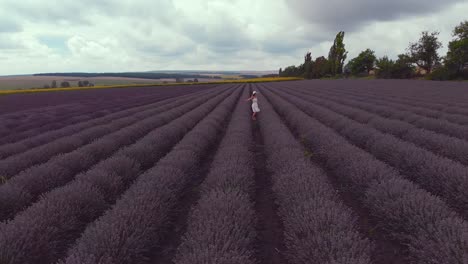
[[92, 49], [8, 25], [350, 15], [136, 35], [56, 42], [393, 37], [8, 43]]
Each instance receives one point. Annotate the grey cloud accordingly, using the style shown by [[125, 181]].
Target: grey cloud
[[7, 43], [145, 34], [350, 15], [9, 25], [157, 50], [289, 41], [227, 35], [282, 46], [68, 11]]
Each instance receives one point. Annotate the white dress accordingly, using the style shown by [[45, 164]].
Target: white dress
[[255, 105]]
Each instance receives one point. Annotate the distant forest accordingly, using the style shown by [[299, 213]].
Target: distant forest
[[141, 75], [421, 60]]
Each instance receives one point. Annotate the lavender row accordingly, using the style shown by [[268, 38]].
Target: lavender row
[[430, 230], [36, 124], [38, 139], [42, 138], [221, 226], [67, 108], [24, 120], [376, 90], [440, 176], [450, 147], [457, 119], [317, 225], [17, 163], [436, 125], [417, 97], [29, 238], [37, 101], [443, 94], [23, 145], [28, 123], [446, 99], [447, 110], [24, 188], [452, 114], [135, 225], [32, 129]]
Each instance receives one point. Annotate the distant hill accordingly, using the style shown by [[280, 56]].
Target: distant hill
[[140, 75], [205, 72]]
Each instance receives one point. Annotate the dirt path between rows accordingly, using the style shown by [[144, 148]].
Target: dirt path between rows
[[166, 252], [270, 244]]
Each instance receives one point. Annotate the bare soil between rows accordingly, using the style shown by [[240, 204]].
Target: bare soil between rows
[[270, 241]]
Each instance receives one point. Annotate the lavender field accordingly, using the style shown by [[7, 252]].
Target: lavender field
[[331, 172]]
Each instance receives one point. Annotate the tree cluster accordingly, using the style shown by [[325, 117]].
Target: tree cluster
[[421, 58], [65, 84], [321, 66], [84, 83]]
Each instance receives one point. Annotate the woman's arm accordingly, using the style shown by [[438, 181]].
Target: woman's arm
[[249, 99]]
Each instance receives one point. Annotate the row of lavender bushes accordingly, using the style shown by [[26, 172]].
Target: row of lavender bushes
[[449, 98], [417, 98], [441, 176], [30, 123], [221, 226], [450, 147], [432, 232], [423, 117], [47, 229], [135, 225], [65, 140], [25, 188], [17, 105], [317, 226]]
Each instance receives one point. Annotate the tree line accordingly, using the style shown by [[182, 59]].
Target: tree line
[[66, 84], [421, 58]]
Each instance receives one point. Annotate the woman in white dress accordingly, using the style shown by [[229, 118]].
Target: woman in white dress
[[255, 108]]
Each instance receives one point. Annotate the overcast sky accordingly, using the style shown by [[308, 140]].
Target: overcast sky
[[138, 35]]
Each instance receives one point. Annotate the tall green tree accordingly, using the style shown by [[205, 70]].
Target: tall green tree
[[320, 67], [363, 63], [65, 84], [385, 68], [308, 66], [291, 71], [461, 31], [337, 54], [424, 53], [457, 55], [402, 68]]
